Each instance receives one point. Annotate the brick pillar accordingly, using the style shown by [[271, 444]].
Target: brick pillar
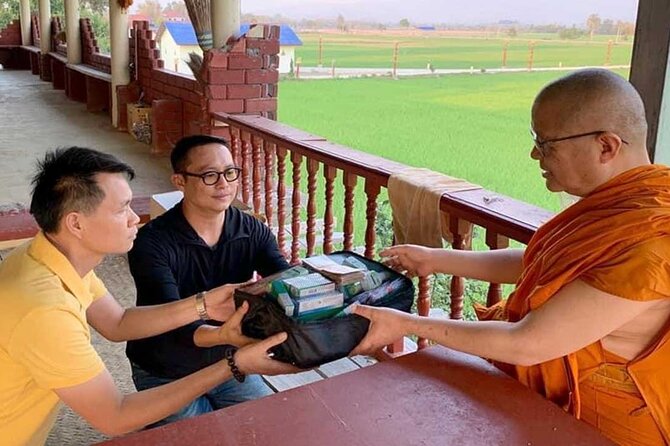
[[243, 79]]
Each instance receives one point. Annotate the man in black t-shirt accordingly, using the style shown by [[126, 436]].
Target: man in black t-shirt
[[201, 243]]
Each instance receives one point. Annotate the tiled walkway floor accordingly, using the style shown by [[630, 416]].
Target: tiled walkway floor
[[34, 118]]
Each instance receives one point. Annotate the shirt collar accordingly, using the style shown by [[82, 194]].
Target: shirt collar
[[43, 251], [232, 225]]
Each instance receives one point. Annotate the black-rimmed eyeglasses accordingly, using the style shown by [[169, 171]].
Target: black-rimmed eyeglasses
[[542, 147], [211, 177]]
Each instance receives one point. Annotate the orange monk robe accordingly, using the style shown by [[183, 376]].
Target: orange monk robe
[[617, 240]]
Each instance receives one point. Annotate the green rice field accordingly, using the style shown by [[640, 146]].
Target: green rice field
[[469, 126], [376, 51]]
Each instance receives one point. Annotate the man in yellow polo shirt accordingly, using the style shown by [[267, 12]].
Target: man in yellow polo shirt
[[50, 295]]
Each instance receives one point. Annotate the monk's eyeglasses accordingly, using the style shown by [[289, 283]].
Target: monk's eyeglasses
[[543, 146], [211, 177]]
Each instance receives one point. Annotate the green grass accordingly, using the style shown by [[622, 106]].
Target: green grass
[[376, 51], [472, 127]]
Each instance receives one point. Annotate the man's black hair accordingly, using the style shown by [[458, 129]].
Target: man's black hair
[[65, 182], [179, 155]]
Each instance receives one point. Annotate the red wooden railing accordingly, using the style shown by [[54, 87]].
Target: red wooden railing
[[263, 148]]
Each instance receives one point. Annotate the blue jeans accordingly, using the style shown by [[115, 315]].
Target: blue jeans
[[226, 394]]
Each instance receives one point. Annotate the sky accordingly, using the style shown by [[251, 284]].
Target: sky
[[566, 12]]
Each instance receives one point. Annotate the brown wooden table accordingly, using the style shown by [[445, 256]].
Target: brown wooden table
[[433, 397]]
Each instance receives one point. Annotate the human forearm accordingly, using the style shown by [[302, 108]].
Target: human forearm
[[496, 340], [136, 410], [496, 266], [146, 321]]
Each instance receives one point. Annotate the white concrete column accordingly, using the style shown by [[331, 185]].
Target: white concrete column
[[73, 31], [225, 20], [24, 16], [120, 53], [45, 26]]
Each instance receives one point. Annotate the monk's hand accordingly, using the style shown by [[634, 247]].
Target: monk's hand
[[219, 301], [413, 260], [254, 358], [386, 326]]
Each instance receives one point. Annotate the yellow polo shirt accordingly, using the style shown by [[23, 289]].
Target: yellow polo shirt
[[45, 342]]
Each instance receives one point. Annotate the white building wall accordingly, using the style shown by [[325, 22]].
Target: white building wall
[[286, 55]]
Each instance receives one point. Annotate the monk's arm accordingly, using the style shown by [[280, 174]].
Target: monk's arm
[[575, 317], [496, 266]]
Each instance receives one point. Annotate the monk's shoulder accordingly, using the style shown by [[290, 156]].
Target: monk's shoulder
[[641, 272]]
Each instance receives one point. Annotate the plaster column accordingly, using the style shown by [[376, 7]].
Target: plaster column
[[24, 16], [120, 52], [225, 20], [73, 31], [45, 27]]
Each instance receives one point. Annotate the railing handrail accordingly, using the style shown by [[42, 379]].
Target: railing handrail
[[504, 215]]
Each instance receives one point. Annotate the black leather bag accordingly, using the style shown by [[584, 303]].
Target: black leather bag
[[310, 344]]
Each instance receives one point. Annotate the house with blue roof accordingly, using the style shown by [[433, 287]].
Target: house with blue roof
[[177, 39]]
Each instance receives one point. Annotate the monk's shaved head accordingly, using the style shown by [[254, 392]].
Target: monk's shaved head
[[595, 99]]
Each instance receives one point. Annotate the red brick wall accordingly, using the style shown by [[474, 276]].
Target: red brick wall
[[241, 80], [244, 79], [11, 34], [90, 53], [35, 29], [56, 27]]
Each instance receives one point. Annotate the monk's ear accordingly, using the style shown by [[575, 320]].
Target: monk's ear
[[611, 145]]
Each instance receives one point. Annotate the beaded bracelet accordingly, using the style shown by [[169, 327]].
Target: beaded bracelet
[[230, 358]]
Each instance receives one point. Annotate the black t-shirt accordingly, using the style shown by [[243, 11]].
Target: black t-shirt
[[169, 261]]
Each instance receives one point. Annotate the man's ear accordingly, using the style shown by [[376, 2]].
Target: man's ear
[[179, 181], [610, 146], [73, 224]]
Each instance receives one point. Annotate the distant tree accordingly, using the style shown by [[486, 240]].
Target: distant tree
[[9, 11], [570, 33], [153, 10], [512, 32], [404, 23], [592, 24], [178, 7], [341, 24], [607, 27], [626, 29]]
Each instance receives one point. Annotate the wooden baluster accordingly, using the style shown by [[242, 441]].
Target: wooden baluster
[[281, 200], [246, 167], [235, 146], [495, 241], [349, 180], [423, 305], [270, 149], [296, 159], [371, 191], [457, 283], [257, 143], [328, 221], [312, 169]]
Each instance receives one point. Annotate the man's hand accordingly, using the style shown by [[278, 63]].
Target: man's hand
[[386, 326], [254, 358], [230, 333], [415, 260], [219, 301]]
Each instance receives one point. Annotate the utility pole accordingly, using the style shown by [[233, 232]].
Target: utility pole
[[395, 59], [608, 57], [504, 54], [320, 64], [531, 54]]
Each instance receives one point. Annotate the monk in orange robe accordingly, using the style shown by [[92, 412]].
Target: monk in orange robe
[[588, 325]]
